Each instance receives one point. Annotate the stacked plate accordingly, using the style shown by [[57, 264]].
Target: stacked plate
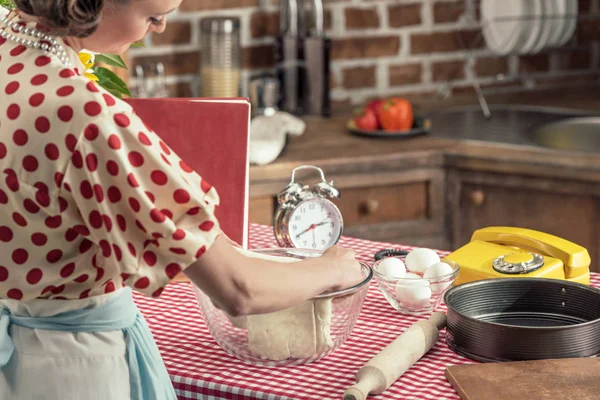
[[527, 26]]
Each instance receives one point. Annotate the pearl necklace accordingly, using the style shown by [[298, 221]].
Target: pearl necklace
[[54, 47]]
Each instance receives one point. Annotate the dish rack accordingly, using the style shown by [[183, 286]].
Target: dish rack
[[475, 43]]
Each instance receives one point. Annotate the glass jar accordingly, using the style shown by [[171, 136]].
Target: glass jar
[[221, 56]]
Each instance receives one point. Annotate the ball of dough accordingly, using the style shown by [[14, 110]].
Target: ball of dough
[[392, 267], [434, 272], [419, 259], [413, 291]]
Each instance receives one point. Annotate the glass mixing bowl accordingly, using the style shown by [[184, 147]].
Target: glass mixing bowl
[[298, 335]]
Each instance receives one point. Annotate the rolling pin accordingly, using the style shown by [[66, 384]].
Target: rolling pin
[[396, 358]]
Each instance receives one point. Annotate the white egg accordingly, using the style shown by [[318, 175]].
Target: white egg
[[392, 267], [419, 259], [413, 291], [434, 272]]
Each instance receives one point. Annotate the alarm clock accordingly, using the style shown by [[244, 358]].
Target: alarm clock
[[305, 216]]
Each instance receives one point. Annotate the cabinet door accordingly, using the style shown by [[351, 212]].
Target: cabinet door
[[566, 209]]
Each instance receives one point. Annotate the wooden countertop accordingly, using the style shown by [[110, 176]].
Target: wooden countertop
[[327, 144]]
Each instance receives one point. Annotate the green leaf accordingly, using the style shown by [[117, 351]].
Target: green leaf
[[103, 73], [109, 59], [7, 4], [114, 87], [137, 44]]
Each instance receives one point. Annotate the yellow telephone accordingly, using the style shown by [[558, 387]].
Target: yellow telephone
[[506, 252]]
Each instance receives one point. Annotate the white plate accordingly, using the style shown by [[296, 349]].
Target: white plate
[[502, 34], [532, 20], [560, 9], [570, 21], [548, 20]]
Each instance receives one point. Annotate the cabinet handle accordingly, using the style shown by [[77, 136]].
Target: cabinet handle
[[369, 207], [477, 197]]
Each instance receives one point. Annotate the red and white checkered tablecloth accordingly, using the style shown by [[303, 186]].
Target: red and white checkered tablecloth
[[200, 369]]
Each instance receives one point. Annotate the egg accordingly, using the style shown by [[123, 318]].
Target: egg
[[392, 267], [434, 272], [413, 291], [419, 259]]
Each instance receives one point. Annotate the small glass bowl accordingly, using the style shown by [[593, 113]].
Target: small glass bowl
[[415, 296], [335, 316]]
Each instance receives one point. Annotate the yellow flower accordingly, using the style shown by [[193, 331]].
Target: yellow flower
[[87, 60]]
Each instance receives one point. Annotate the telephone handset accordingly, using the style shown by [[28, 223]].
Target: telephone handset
[[503, 252]]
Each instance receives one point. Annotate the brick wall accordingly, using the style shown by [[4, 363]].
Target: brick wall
[[382, 47]]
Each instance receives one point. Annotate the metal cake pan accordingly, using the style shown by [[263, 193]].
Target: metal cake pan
[[516, 319]]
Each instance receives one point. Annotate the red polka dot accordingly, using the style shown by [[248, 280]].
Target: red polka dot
[[99, 193], [134, 204], [30, 206], [185, 167], [2, 150], [106, 249], [181, 196], [144, 139], [34, 276], [3, 197], [3, 274], [39, 80], [92, 108], [142, 283], [6, 234], [205, 186], [177, 250], [122, 120], [19, 219], [51, 151], [85, 293], [95, 219], [67, 73], [20, 256], [168, 213], [42, 124], [42, 61], [172, 269], [150, 196], [206, 226], [118, 252], [65, 91], [132, 181], [41, 196], [165, 159], [20, 137], [39, 239], [158, 292], [30, 163], [15, 69], [86, 190], [67, 270], [91, 86], [53, 222], [136, 159], [82, 230], [99, 274], [65, 113], [150, 258], [193, 211], [15, 294], [131, 249], [57, 290], [84, 246], [20, 49], [165, 148], [71, 234], [12, 87], [110, 101], [122, 223], [114, 194], [159, 177], [63, 204], [110, 287], [140, 226], [114, 142], [200, 251], [54, 256], [13, 111], [77, 159], [112, 168], [157, 216], [11, 180], [91, 161], [82, 278], [71, 142], [179, 234]]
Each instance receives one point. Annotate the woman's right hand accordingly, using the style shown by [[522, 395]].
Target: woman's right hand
[[350, 272]]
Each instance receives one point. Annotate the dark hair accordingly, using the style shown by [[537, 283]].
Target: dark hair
[[65, 17]]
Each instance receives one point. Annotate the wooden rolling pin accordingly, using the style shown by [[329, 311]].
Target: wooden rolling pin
[[380, 372]]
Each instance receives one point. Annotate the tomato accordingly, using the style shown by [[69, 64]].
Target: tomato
[[375, 105], [396, 115], [366, 120]]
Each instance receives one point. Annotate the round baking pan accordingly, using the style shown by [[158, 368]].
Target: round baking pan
[[515, 319]]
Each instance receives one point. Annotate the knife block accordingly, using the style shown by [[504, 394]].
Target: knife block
[[290, 73], [317, 60]]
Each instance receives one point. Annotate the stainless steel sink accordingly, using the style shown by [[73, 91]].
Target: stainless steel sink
[[558, 128]]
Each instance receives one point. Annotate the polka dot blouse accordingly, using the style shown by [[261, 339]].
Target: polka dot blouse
[[91, 199]]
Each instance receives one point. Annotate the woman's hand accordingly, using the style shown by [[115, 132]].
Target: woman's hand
[[350, 272]]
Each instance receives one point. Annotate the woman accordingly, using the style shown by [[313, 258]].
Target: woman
[[93, 203]]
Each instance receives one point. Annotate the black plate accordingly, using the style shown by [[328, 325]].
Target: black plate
[[421, 126], [518, 319]]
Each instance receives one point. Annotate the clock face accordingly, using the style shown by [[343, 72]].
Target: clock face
[[315, 224]]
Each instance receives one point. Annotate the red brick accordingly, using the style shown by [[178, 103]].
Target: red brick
[[258, 57], [448, 70], [175, 33], [175, 63], [404, 15], [534, 63], [421, 43], [574, 59], [264, 23], [491, 66], [358, 77], [587, 31], [365, 47], [201, 5], [361, 18], [448, 11], [405, 74], [181, 89]]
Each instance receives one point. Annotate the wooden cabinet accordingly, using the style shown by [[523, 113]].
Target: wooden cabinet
[[565, 208]]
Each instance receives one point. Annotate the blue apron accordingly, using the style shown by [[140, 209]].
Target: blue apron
[[148, 376]]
